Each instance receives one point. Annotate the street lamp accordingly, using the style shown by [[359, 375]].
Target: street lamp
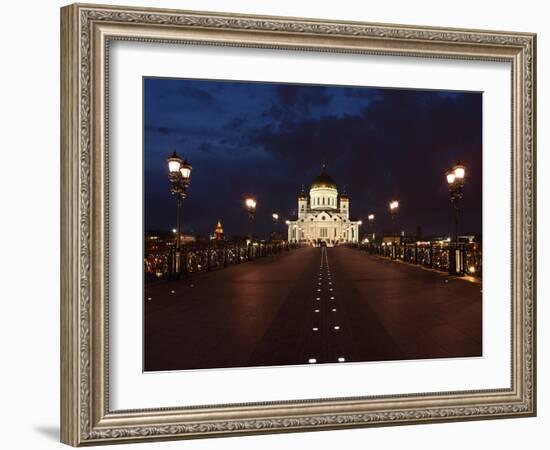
[[394, 207], [250, 204], [179, 174], [275, 218], [455, 182], [371, 222]]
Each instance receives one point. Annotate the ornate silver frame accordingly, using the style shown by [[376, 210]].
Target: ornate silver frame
[[86, 31]]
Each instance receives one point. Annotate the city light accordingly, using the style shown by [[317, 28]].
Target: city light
[[371, 217], [472, 269], [459, 171], [174, 163], [275, 216], [250, 203], [394, 204], [185, 170]]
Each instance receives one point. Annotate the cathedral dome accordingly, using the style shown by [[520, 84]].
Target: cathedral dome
[[323, 180]]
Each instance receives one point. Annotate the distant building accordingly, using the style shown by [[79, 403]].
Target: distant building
[[218, 232], [323, 217]]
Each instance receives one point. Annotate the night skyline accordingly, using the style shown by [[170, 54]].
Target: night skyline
[[267, 139]]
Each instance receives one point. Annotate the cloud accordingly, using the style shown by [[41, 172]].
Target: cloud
[[236, 122], [197, 94]]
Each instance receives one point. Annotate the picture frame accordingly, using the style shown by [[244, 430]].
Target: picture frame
[[87, 31]]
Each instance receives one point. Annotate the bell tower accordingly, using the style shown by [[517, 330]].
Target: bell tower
[[344, 203], [302, 202], [219, 231]]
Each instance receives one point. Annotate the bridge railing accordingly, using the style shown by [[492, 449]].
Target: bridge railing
[[204, 257], [440, 255]]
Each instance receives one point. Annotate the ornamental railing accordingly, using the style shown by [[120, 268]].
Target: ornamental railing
[[204, 257], [464, 259]]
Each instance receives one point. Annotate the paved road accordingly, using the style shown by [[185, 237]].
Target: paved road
[[310, 305]]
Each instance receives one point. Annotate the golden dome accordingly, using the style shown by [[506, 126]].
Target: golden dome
[[323, 180]]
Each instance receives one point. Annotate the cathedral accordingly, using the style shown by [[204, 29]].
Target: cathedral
[[323, 218]]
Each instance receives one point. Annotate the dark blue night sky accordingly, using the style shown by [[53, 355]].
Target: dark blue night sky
[[267, 139]]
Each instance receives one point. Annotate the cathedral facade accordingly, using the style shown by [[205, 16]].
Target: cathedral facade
[[323, 216]]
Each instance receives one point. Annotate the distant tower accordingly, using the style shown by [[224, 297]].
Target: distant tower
[[344, 203], [302, 202], [219, 231]]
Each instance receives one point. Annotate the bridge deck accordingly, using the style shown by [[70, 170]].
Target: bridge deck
[[265, 313]]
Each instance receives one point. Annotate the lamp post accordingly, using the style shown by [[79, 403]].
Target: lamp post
[[371, 228], [288, 231], [455, 182], [394, 207], [275, 219], [179, 174], [250, 204]]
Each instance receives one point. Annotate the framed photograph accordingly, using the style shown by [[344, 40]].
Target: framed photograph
[[275, 224]]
